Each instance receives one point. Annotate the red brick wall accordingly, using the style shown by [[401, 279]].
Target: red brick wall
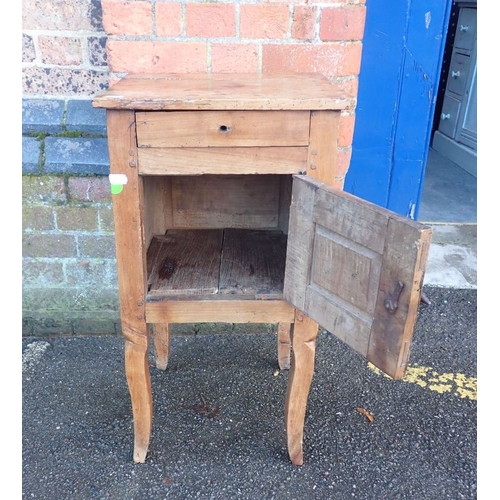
[[246, 36]]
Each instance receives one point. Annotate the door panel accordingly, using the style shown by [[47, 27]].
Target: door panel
[[346, 259], [344, 262]]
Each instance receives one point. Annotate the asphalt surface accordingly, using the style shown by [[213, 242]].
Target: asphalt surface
[[77, 425]]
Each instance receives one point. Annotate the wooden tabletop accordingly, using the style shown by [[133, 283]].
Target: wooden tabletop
[[224, 91]]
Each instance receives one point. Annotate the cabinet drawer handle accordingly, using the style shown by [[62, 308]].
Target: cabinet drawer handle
[[455, 74], [446, 116], [224, 129], [464, 28]]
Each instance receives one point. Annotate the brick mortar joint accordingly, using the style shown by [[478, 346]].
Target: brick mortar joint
[[71, 260], [86, 67], [64, 33], [75, 234], [73, 175], [65, 134], [231, 39]]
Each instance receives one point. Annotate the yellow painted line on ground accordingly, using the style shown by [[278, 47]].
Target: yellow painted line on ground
[[426, 377]]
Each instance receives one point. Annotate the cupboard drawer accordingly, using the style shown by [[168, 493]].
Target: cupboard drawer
[[449, 116], [466, 29], [459, 71], [178, 129]]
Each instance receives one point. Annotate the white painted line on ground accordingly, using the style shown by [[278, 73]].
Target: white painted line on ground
[[33, 354]]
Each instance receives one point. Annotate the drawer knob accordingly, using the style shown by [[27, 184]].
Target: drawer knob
[[446, 116], [224, 129], [455, 74]]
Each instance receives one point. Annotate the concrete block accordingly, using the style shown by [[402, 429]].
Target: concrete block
[[76, 155], [51, 326], [94, 326], [31, 155], [42, 115], [82, 116]]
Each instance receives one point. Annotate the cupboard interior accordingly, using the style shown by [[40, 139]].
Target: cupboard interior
[[216, 236]]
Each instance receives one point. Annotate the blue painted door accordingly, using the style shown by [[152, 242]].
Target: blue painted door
[[403, 47]]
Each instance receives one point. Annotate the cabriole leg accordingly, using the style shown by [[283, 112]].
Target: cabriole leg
[[303, 338], [139, 384]]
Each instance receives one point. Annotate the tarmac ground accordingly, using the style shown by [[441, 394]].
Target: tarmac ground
[[218, 430]]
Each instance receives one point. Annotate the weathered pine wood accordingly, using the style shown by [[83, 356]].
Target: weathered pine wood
[[253, 263], [139, 384], [152, 254], [198, 161], [284, 345], [303, 338], [219, 310], [245, 263], [359, 254], [349, 270], [157, 92], [321, 165], [404, 259], [187, 263], [358, 222], [128, 215], [322, 151], [131, 268], [347, 323], [285, 200], [157, 206], [161, 336], [300, 243], [219, 201], [200, 129]]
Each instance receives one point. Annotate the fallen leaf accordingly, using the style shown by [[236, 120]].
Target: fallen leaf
[[366, 413]]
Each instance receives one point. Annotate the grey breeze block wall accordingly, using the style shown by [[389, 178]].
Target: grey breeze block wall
[[68, 254]]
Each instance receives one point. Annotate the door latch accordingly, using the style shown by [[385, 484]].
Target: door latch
[[391, 302]]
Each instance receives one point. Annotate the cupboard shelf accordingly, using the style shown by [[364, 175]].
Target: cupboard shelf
[[216, 263]]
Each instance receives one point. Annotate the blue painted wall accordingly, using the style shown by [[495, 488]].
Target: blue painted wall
[[403, 48]]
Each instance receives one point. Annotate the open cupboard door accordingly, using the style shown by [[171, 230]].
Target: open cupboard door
[[356, 269]]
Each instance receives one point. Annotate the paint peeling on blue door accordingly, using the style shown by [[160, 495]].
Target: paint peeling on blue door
[[403, 48]]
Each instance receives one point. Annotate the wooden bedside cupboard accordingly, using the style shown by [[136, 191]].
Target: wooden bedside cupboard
[[224, 211]]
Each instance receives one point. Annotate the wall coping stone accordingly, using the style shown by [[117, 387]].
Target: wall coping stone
[[82, 116], [67, 155], [76, 155], [31, 155], [43, 115]]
